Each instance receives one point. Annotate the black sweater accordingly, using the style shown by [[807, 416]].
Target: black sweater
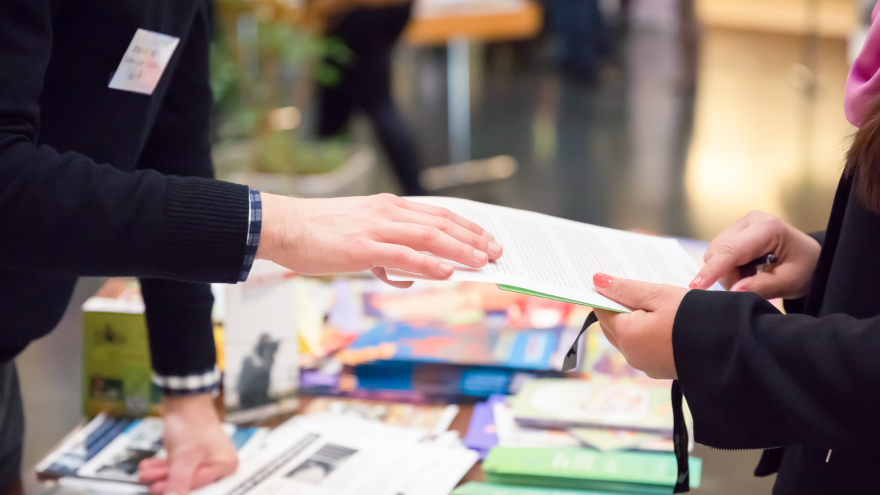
[[797, 384], [91, 178]]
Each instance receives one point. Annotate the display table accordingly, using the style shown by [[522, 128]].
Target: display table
[[454, 24]]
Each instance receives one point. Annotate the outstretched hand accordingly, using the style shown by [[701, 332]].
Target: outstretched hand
[[644, 337], [325, 236]]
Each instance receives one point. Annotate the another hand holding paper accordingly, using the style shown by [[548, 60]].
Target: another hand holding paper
[[556, 258]]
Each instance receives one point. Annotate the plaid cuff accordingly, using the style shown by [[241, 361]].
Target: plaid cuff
[[202, 383], [255, 224]]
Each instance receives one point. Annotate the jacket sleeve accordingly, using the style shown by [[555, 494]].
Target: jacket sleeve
[[64, 213], [755, 378], [179, 313]]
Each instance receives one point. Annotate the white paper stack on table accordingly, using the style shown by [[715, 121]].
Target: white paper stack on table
[[330, 454], [556, 258]]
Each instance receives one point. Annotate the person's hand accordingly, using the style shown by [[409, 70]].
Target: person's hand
[[644, 337], [325, 236], [199, 452], [750, 237]]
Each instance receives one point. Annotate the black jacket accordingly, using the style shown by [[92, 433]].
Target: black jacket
[[91, 177], [798, 385]]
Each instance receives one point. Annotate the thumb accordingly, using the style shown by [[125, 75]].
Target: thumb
[[180, 474], [630, 293]]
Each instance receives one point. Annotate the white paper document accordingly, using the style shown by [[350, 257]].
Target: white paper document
[[559, 257], [326, 454]]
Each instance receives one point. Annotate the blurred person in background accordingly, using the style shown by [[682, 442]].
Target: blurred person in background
[[105, 170], [800, 385], [370, 29], [581, 38]]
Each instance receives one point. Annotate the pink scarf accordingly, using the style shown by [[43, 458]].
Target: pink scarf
[[863, 82]]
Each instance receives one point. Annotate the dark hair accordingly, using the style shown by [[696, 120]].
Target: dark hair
[[863, 159]]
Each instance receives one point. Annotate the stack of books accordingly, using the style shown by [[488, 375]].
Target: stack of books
[[435, 342]]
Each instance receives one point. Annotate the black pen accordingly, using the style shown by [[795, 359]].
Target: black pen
[[761, 264]]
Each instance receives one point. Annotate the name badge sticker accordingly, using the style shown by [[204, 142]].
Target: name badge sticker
[[144, 62]]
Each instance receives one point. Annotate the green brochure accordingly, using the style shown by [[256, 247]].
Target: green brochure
[[582, 469]]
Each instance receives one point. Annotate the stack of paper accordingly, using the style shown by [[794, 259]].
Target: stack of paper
[[331, 454], [556, 258]]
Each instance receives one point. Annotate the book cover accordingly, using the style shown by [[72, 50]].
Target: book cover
[[117, 374], [570, 468], [562, 404]]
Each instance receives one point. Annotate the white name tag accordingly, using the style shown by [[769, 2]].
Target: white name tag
[[144, 62]]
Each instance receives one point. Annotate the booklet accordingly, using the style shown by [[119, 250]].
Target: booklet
[[109, 448], [555, 258], [580, 469]]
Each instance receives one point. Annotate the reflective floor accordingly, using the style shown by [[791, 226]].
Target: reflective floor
[[664, 141]]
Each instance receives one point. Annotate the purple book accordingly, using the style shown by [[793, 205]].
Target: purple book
[[481, 435]]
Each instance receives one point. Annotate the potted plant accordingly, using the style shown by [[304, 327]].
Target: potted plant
[[263, 64]]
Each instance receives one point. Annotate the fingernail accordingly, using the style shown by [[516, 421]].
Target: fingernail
[[494, 247], [490, 236], [479, 255], [445, 269], [601, 280], [741, 289], [695, 282]]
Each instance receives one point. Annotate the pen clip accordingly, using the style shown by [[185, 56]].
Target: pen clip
[[570, 361], [751, 268]]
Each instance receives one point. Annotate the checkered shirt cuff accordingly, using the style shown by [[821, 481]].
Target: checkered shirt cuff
[[255, 225], [202, 383]]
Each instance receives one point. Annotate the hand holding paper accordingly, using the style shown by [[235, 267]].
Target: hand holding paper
[[326, 236], [556, 258], [644, 337]]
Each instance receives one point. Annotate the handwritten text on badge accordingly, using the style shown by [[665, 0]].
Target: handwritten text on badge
[[144, 62]]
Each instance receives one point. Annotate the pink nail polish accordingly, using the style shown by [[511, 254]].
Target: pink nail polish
[[445, 269], [479, 255], [695, 282], [601, 280]]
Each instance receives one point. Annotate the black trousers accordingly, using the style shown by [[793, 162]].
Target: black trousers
[[11, 429], [365, 85]]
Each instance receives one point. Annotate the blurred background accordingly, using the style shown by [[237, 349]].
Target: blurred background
[[674, 116]]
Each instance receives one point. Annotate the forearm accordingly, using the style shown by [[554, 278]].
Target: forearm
[[754, 378], [69, 215]]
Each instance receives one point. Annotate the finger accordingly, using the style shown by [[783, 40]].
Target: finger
[[736, 227], [426, 238], [180, 474], [158, 488], [379, 272], [149, 474], [474, 239], [404, 258], [208, 474], [767, 284], [735, 251], [441, 212], [630, 293]]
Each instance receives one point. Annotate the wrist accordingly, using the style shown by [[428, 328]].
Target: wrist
[[199, 406], [277, 225]]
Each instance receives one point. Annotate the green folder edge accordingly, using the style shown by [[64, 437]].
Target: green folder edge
[[520, 290]]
